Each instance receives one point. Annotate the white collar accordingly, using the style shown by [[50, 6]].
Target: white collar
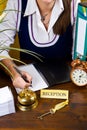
[[32, 7]]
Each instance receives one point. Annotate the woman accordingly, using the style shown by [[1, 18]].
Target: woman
[[44, 26]]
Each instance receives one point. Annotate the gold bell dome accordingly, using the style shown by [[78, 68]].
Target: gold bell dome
[[27, 100]]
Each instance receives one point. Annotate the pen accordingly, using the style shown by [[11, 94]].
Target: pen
[[21, 74]]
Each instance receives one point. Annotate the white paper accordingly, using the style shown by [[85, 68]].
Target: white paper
[[5, 95], [6, 101], [38, 82], [81, 36]]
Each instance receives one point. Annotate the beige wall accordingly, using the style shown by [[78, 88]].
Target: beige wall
[[83, 0], [15, 54], [2, 5]]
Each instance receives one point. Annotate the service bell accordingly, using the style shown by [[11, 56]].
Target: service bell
[[27, 100]]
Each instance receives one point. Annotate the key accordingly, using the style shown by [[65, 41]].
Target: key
[[53, 110], [45, 114]]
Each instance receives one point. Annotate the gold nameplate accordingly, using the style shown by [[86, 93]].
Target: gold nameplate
[[56, 94]]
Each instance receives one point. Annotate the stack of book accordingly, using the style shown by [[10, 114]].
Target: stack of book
[[6, 101]]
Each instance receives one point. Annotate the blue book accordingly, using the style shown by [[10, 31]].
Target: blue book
[[80, 44]]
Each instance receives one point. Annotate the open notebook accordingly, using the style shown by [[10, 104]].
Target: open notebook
[[45, 75]]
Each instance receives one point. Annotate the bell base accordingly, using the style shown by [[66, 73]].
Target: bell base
[[27, 107]]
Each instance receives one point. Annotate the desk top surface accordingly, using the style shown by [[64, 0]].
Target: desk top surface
[[71, 117]]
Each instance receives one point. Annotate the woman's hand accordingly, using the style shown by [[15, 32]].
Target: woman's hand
[[22, 81]]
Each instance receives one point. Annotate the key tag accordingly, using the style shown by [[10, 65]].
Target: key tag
[[56, 108], [54, 94]]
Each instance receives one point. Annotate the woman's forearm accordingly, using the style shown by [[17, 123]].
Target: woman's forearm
[[9, 64]]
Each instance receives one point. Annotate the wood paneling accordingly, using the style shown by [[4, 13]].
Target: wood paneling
[[2, 5]]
